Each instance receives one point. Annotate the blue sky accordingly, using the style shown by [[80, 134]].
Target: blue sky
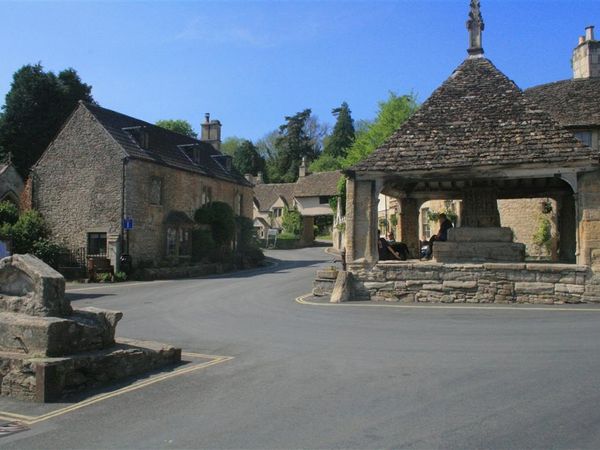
[[251, 63]]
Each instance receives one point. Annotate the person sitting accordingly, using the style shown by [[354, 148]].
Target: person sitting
[[388, 251], [442, 235]]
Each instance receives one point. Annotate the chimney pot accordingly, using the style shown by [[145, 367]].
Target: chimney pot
[[589, 33], [207, 117]]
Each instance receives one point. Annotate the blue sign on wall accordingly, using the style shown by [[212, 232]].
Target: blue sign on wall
[[128, 224]]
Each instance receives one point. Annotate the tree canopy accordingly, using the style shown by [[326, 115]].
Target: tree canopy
[[246, 159], [392, 113], [35, 108], [178, 126], [342, 137]]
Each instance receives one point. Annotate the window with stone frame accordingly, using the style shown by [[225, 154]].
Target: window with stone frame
[[277, 212], [206, 195], [171, 242], [585, 137], [156, 191], [426, 228], [96, 244]]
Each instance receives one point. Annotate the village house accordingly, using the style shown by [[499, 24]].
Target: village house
[[310, 195], [480, 139], [110, 184]]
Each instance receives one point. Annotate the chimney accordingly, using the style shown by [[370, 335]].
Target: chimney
[[211, 132], [302, 169], [259, 178], [249, 177], [586, 56]]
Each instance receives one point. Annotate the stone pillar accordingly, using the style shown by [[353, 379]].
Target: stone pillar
[[113, 252], [567, 228], [480, 208], [308, 230], [409, 225], [361, 221], [589, 219]]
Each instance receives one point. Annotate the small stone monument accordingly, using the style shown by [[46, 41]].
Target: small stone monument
[[48, 349]]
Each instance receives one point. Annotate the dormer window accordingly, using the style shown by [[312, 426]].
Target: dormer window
[[192, 151], [140, 135]]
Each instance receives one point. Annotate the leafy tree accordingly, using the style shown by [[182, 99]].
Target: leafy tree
[[292, 144], [230, 145], [342, 138], [35, 108], [246, 159], [9, 213], [392, 113], [291, 221], [326, 163], [178, 126]]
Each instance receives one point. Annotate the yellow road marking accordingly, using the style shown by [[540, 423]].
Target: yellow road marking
[[302, 300], [30, 420], [114, 285]]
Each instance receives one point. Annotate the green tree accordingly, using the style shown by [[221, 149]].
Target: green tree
[[246, 159], [35, 108], [326, 163], [230, 145], [392, 113], [178, 126], [342, 137], [292, 144], [291, 221]]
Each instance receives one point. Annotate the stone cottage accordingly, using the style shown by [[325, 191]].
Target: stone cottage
[[478, 139], [112, 184], [310, 195]]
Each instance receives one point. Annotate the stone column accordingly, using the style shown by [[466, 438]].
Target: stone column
[[589, 219], [480, 208], [409, 225], [361, 221], [567, 228], [308, 230]]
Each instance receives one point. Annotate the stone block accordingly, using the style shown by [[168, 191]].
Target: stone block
[[460, 284], [569, 289], [343, 290], [327, 274], [478, 252], [379, 285], [534, 288], [486, 234], [433, 287], [30, 286], [504, 266]]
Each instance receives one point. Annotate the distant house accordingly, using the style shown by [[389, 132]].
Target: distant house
[[310, 195], [112, 184], [11, 184]]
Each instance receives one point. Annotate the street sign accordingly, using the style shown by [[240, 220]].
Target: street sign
[[128, 224]]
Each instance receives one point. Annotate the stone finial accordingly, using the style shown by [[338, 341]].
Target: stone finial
[[475, 26]]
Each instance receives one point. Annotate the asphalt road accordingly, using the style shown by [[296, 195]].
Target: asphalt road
[[339, 377]]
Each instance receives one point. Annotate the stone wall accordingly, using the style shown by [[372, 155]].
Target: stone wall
[[11, 184], [409, 282], [77, 183], [181, 191]]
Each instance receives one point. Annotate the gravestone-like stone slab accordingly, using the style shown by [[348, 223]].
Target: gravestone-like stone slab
[[30, 286]]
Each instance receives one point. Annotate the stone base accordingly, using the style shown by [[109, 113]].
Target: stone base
[[324, 283], [49, 379], [477, 252], [34, 336]]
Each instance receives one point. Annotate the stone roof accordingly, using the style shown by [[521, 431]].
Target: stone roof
[[312, 185], [477, 118], [573, 103], [267, 194], [317, 184], [165, 147]]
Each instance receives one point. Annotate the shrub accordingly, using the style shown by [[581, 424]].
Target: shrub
[[203, 245], [9, 214], [291, 221], [222, 223], [48, 251], [29, 228], [120, 276], [105, 277], [543, 235]]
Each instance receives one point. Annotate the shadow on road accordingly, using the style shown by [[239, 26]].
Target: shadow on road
[[74, 296]]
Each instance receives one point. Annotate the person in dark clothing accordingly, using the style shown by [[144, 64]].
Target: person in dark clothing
[[387, 251], [442, 235]]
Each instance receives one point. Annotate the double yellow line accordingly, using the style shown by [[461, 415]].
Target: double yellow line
[[30, 420]]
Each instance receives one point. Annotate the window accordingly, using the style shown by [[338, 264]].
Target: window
[[323, 199], [585, 137], [277, 212], [426, 229], [96, 244], [171, 241], [206, 195], [156, 191], [237, 204]]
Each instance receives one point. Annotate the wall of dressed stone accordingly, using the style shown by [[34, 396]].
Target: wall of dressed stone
[[410, 282]]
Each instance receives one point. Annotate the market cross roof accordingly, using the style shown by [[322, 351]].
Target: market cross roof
[[164, 147], [477, 117]]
